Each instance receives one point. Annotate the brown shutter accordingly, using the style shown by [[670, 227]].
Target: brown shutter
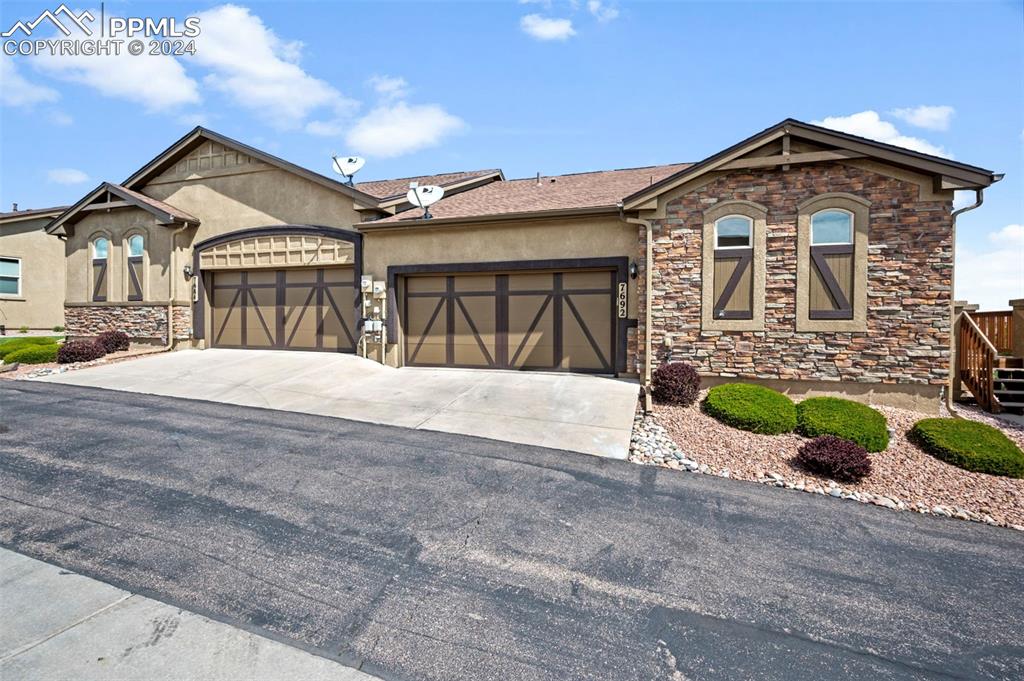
[[734, 284], [99, 280], [831, 288], [135, 278]]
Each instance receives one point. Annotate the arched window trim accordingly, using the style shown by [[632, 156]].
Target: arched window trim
[[99, 268], [135, 266], [750, 231], [835, 209]]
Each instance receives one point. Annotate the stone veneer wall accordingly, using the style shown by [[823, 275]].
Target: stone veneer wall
[[910, 265], [141, 322]]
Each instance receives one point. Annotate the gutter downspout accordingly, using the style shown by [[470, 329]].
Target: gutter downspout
[[648, 315], [979, 198]]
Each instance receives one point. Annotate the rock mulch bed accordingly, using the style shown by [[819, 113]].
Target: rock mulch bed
[[29, 371], [903, 476]]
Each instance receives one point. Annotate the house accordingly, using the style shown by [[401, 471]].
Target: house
[[813, 260], [31, 271]]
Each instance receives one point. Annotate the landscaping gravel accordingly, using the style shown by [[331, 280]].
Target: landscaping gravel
[[903, 476]]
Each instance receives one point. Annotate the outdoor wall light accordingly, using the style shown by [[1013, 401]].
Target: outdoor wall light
[[187, 271], [633, 270]]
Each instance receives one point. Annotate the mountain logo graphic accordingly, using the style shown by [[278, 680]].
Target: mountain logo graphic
[[78, 20]]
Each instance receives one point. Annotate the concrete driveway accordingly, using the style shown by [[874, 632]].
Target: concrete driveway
[[588, 414]]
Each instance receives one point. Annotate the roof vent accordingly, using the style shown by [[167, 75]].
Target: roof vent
[[14, 208]]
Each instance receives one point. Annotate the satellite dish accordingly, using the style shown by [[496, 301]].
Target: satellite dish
[[347, 166], [424, 196]]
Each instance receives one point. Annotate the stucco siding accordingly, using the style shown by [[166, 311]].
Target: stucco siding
[[41, 302]]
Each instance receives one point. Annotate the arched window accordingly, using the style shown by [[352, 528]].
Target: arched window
[[100, 254], [733, 231], [831, 227], [136, 251], [832, 263], [733, 262], [135, 245]]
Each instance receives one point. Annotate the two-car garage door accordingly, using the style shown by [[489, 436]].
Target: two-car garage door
[[518, 320], [287, 309]]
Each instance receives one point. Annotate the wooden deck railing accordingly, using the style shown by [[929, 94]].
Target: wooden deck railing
[[997, 327], [976, 361]]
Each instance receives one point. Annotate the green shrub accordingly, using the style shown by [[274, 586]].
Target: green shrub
[[33, 354], [970, 445], [22, 329], [8, 347], [847, 419], [58, 329], [751, 407]]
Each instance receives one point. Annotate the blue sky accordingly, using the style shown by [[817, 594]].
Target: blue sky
[[552, 87]]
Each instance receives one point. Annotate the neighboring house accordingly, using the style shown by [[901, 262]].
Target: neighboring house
[[812, 259], [31, 271]]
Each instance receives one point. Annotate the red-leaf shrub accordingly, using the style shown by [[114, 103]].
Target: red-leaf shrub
[[79, 351], [675, 383], [113, 341], [835, 458]]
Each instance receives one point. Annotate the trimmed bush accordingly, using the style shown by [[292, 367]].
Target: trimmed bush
[[970, 445], [84, 350], [847, 419], [835, 458], [675, 383], [751, 407], [12, 346], [58, 329], [113, 341], [33, 354], [22, 329]]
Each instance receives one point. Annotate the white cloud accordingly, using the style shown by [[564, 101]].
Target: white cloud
[[963, 198], [394, 130], [18, 91], [993, 276], [66, 176], [260, 71], [929, 117], [543, 28], [60, 118], [869, 124], [389, 88], [602, 12]]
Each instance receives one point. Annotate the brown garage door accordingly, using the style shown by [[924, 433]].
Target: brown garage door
[[561, 321], [300, 309]]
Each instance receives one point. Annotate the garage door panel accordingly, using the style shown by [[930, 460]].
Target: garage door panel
[[227, 316], [300, 323], [530, 331], [586, 337], [259, 318], [474, 331], [425, 336], [602, 281]]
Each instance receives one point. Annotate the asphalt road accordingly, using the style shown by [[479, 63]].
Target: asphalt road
[[425, 555]]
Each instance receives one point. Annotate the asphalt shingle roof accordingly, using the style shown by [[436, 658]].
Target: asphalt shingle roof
[[603, 188], [385, 189]]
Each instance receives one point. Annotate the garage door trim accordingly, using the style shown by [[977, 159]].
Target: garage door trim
[[356, 239], [619, 266]]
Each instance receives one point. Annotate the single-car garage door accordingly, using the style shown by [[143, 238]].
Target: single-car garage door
[[562, 321], [290, 309]]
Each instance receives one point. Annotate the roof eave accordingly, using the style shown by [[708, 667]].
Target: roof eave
[[558, 213], [147, 171], [965, 175]]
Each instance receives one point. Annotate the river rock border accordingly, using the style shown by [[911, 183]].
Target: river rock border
[[651, 445]]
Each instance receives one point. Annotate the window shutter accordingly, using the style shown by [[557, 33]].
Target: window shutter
[[734, 284], [135, 278], [831, 288], [99, 280]]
